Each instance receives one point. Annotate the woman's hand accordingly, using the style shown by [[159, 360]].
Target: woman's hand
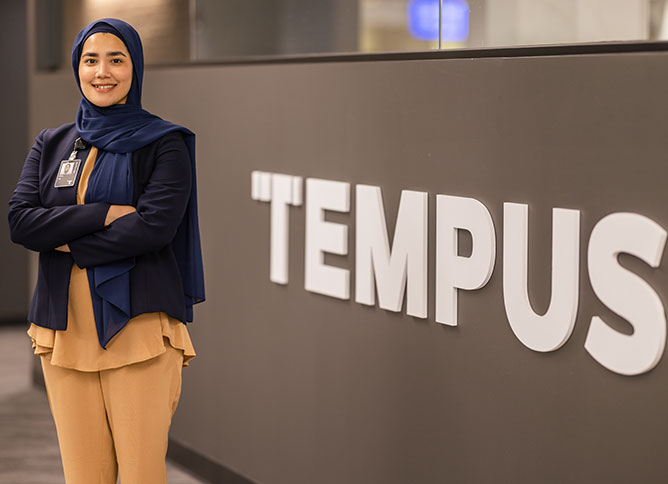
[[117, 211]]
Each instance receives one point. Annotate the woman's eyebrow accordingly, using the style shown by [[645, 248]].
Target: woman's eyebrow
[[109, 54]]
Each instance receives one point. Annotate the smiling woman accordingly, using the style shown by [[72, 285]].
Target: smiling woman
[[105, 70], [119, 262]]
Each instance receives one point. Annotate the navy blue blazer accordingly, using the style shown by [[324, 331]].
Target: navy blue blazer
[[42, 218]]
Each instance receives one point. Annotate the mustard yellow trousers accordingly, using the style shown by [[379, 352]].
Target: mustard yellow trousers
[[115, 421]]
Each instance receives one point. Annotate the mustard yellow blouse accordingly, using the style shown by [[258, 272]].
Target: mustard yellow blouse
[[143, 338]]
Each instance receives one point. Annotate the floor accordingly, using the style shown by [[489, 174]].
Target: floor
[[28, 442]]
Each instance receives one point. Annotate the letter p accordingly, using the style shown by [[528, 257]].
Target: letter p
[[452, 270]]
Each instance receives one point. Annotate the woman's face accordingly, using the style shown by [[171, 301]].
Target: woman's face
[[105, 70]]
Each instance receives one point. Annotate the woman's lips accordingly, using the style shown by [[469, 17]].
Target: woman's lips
[[103, 87]]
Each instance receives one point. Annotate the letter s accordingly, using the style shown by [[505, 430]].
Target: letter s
[[626, 294]]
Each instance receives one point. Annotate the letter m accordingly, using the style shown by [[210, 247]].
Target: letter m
[[388, 270]]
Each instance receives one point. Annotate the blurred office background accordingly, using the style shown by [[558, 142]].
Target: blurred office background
[[184, 31], [183, 35]]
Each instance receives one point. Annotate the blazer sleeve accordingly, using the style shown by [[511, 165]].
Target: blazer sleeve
[[39, 228], [160, 209]]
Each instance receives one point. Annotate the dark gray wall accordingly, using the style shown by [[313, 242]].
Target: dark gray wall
[[13, 139], [291, 387]]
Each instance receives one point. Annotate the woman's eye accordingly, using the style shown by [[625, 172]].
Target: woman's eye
[[89, 61], [116, 61]]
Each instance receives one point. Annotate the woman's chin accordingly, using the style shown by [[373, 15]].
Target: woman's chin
[[105, 100], [103, 103]]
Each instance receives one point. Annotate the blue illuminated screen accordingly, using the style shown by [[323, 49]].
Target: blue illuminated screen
[[422, 16]]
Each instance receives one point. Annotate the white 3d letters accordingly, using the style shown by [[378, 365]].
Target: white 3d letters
[[453, 271], [322, 236], [626, 294], [551, 330], [406, 260], [401, 268]]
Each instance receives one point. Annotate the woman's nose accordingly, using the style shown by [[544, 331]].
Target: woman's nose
[[102, 70]]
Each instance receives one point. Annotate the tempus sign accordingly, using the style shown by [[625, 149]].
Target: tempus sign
[[401, 270]]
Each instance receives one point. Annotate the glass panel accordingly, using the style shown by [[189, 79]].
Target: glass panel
[[531, 22], [236, 28], [180, 31]]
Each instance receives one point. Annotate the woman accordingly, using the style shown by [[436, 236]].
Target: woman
[[120, 264]]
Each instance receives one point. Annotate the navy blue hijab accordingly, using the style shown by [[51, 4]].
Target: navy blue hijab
[[118, 131]]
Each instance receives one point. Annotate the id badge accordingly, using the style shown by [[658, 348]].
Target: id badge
[[67, 173]]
